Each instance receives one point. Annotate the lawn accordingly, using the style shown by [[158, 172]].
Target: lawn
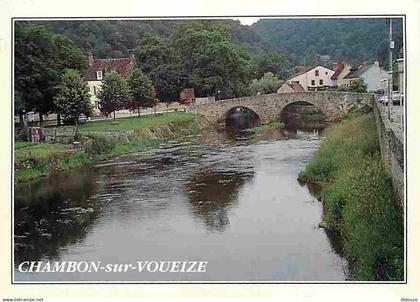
[[25, 150], [134, 123]]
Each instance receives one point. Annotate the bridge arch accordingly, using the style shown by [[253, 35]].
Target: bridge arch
[[302, 114], [303, 102], [241, 117]]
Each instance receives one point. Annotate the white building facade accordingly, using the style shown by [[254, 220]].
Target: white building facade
[[313, 78]]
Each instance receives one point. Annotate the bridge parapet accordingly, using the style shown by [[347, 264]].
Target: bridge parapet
[[334, 105]]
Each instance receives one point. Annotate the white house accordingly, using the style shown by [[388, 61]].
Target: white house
[[311, 78], [97, 70]]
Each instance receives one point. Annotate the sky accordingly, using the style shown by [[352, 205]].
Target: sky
[[247, 20]]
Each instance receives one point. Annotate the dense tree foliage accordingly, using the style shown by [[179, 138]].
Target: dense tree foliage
[[269, 83], [41, 57], [342, 39], [211, 62], [358, 86], [72, 97], [114, 94], [142, 91]]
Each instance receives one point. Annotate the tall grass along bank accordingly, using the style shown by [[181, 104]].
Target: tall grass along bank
[[358, 199], [101, 140]]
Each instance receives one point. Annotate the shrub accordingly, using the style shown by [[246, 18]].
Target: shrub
[[99, 144]]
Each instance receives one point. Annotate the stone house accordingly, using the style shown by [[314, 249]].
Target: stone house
[[97, 70], [311, 78]]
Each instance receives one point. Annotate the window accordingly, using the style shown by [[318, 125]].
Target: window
[[321, 82], [99, 74], [317, 73], [297, 82], [326, 72], [94, 90], [313, 82]]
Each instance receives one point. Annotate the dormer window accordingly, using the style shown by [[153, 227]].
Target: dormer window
[[99, 74]]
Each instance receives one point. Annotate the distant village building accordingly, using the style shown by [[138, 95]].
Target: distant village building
[[312, 78], [288, 87], [99, 67], [372, 75], [341, 69]]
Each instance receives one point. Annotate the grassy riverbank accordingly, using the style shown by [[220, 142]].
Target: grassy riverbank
[[101, 139], [358, 199]]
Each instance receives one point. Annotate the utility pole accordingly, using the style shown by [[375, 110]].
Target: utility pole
[[391, 47]]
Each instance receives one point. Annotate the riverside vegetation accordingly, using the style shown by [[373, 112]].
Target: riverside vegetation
[[358, 199], [102, 139]]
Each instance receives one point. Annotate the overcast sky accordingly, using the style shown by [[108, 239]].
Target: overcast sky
[[247, 20]]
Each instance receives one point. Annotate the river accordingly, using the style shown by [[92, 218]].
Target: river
[[233, 201]]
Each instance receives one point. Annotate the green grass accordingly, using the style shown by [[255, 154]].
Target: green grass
[[134, 123], [24, 150], [33, 160], [358, 199]]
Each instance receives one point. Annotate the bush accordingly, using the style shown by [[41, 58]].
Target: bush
[[99, 144]]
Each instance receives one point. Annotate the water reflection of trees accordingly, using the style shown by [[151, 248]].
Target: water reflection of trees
[[51, 213], [212, 194]]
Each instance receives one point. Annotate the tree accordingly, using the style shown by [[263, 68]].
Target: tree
[[142, 91], [212, 62], [269, 83], [114, 93], [72, 97], [270, 61], [156, 58], [41, 57], [358, 85]]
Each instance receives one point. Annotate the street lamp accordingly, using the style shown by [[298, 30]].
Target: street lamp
[[218, 95]]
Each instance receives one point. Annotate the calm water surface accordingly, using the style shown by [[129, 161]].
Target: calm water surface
[[231, 200]]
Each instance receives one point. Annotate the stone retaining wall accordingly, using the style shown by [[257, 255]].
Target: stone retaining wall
[[391, 141]]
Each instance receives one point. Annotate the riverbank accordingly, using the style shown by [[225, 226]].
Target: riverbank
[[100, 140], [358, 199]]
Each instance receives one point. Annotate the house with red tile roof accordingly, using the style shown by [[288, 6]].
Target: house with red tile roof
[[99, 67], [341, 69]]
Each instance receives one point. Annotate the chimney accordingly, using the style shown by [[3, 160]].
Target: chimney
[[90, 58]]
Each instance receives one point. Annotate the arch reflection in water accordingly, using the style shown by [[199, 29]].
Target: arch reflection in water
[[52, 212], [302, 115], [212, 194], [241, 118]]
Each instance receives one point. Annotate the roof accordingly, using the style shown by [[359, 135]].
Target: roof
[[339, 70], [121, 65], [306, 69], [356, 72], [296, 86]]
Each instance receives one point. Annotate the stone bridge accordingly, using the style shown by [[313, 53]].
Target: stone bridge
[[268, 107]]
